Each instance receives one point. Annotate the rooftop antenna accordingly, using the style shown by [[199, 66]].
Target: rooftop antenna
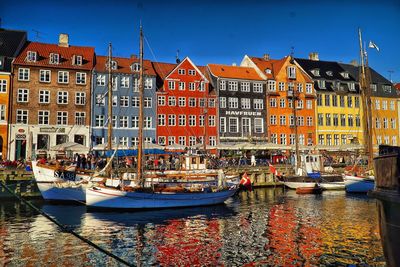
[[177, 57], [390, 75], [291, 54]]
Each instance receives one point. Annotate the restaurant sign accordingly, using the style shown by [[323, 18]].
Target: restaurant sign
[[52, 130]]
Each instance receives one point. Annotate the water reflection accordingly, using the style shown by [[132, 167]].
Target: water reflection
[[264, 227]]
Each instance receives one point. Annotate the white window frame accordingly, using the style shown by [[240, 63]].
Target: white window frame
[[80, 78], [63, 77], [62, 94], [45, 76]]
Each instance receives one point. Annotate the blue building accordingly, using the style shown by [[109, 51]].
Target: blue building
[[125, 93]]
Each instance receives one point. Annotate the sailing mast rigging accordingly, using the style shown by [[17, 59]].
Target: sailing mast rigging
[[140, 131], [109, 109]]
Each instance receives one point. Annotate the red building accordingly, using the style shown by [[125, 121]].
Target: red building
[[186, 107]]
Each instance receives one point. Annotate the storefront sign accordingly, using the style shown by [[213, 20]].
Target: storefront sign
[[20, 136], [52, 130], [244, 113]]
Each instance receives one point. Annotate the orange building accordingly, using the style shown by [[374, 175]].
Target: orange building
[[286, 83]]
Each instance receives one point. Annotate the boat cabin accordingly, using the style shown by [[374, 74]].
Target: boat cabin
[[309, 163]]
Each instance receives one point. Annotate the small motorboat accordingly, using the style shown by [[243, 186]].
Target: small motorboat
[[309, 190]]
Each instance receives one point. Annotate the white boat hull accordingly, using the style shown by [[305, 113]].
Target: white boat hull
[[325, 186], [101, 197], [355, 184]]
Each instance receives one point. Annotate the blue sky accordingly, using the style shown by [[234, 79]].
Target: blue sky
[[218, 31]]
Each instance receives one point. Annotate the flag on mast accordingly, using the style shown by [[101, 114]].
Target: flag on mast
[[373, 45]]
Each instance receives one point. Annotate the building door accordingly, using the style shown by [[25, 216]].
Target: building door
[[20, 149]]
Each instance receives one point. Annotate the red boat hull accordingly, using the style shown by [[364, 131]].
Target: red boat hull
[[309, 190]]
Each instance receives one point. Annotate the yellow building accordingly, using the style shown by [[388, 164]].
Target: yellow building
[[11, 44]]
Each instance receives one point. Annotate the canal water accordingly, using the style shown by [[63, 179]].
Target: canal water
[[266, 227]]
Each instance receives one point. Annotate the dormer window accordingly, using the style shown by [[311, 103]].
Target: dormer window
[[135, 67], [321, 84], [329, 73], [345, 75], [291, 72], [373, 87], [352, 87], [31, 56], [387, 88], [315, 72], [268, 71], [114, 65], [54, 58], [77, 60]]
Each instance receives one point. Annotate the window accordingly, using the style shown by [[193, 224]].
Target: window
[[211, 121], [171, 120], [148, 83], [222, 102], [135, 122], [147, 123], [114, 83], [233, 102], [357, 101], [282, 120], [182, 101], [345, 75], [320, 119], [171, 85], [192, 120], [124, 82], [350, 120], [300, 87], [245, 87], [44, 76], [321, 139], [232, 86], [272, 102], [124, 101], [135, 67], [258, 104], [335, 119], [300, 121], [334, 100], [272, 120], [300, 104], [62, 118], [80, 78], [392, 105], [123, 141], [63, 77], [23, 95], [2, 112], [233, 125], [213, 140], [281, 86], [192, 86], [290, 87], [301, 139], [309, 88], [245, 103], [99, 121], [342, 119], [147, 103], [171, 140], [271, 85], [181, 72], [101, 80], [358, 121], [246, 126], [115, 101], [282, 103], [100, 100], [135, 84], [319, 100], [22, 116], [171, 101], [62, 97], [54, 58], [394, 140], [23, 74], [321, 84], [161, 120], [202, 102], [341, 98], [211, 103], [201, 120], [161, 140], [44, 97], [192, 72], [222, 124], [274, 138], [114, 122], [309, 104], [292, 139], [327, 100], [387, 88], [328, 119], [192, 101], [161, 100], [77, 60], [349, 101], [344, 139], [80, 98], [379, 139], [202, 86], [377, 104], [182, 120], [43, 117], [291, 120], [3, 86], [31, 56], [80, 118], [393, 123], [336, 139], [384, 105], [182, 140], [373, 87], [283, 139], [385, 123], [291, 72], [257, 88], [222, 85], [329, 139]]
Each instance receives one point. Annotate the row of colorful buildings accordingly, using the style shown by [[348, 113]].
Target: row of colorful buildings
[[56, 93]]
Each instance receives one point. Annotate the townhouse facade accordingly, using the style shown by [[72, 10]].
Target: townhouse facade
[[290, 95], [186, 107], [125, 101], [11, 44], [338, 107], [384, 108], [241, 103], [50, 97]]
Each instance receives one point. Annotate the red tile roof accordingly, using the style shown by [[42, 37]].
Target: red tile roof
[[273, 64], [124, 65], [163, 69], [397, 86], [235, 72], [66, 54]]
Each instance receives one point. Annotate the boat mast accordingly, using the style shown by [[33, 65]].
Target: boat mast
[[366, 100], [140, 132], [110, 121], [296, 138], [205, 118]]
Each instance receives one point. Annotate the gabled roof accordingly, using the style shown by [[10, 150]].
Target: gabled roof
[[234, 72], [11, 41], [162, 70], [191, 63], [123, 65], [44, 50], [325, 69], [274, 65]]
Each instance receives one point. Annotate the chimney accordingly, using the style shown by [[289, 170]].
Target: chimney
[[313, 56], [266, 57], [234, 64], [133, 56], [354, 63], [63, 40]]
